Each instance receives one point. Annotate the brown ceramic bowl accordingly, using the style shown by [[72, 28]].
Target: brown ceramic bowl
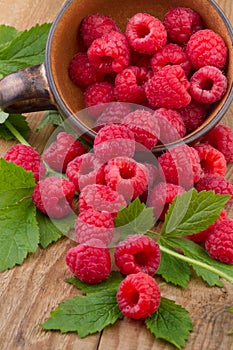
[[52, 87]]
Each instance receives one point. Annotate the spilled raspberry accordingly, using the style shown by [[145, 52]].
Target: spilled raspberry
[[212, 161]]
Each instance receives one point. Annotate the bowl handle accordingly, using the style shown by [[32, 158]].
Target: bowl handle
[[26, 90]]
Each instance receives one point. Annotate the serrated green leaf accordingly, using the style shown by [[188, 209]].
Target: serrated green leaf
[[19, 122], [19, 234], [170, 322], [50, 118], [7, 34], [15, 183], [196, 252], [3, 116], [173, 270], [135, 218], [26, 49], [111, 284], [85, 315], [192, 212], [48, 231]]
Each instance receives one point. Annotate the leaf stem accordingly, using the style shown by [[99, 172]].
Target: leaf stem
[[16, 134], [196, 262]]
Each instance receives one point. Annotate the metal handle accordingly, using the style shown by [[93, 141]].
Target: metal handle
[[26, 91]]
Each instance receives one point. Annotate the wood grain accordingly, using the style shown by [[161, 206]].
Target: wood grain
[[29, 292]]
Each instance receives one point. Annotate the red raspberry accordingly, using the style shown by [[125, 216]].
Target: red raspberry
[[129, 85], [96, 96], [202, 235], [90, 261], [170, 54], [168, 88], [207, 48], [212, 161], [140, 60], [113, 141], [145, 33], [221, 137], [126, 176], [85, 170], [193, 115], [217, 183], [208, 85], [62, 151], [138, 296], [170, 124], [113, 114], [219, 243], [81, 72], [181, 165], [137, 253], [53, 196], [94, 26], [94, 224], [28, 158], [181, 23], [161, 196], [144, 126], [110, 53], [101, 198]]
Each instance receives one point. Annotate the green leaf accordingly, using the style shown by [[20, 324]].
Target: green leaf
[[19, 233], [213, 270], [15, 183], [50, 117], [19, 122], [192, 212], [173, 270], [26, 49], [110, 284], [7, 34], [85, 315], [135, 218], [3, 116], [170, 322]]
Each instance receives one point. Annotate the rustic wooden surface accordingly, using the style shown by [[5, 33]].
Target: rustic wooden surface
[[29, 292]]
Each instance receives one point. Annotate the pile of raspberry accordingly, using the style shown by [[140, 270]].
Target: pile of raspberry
[[174, 64]]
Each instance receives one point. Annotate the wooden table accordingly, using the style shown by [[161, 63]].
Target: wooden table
[[29, 292]]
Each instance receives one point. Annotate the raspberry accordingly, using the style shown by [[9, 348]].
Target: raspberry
[[212, 161], [202, 235], [145, 33], [126, 176], [193, 115], [101, 198], [144, 126], [94, 224], [170, 54], [113, 141], [129, 85], [137, 253], [96, 96], [181, 165], [94, 26], [138, 296], [90, 261], [81, 72], [62, 151], [161, 196], [181, 23], [217, 183], [219, 243], [85, 170], [113, 114], [221, 137], [208, 85], [207, 48], [110, 53], [53, 196], [28, 158], [170, 124], [168, 88]]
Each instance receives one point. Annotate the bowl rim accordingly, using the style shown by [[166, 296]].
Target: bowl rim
[[89, 134]]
